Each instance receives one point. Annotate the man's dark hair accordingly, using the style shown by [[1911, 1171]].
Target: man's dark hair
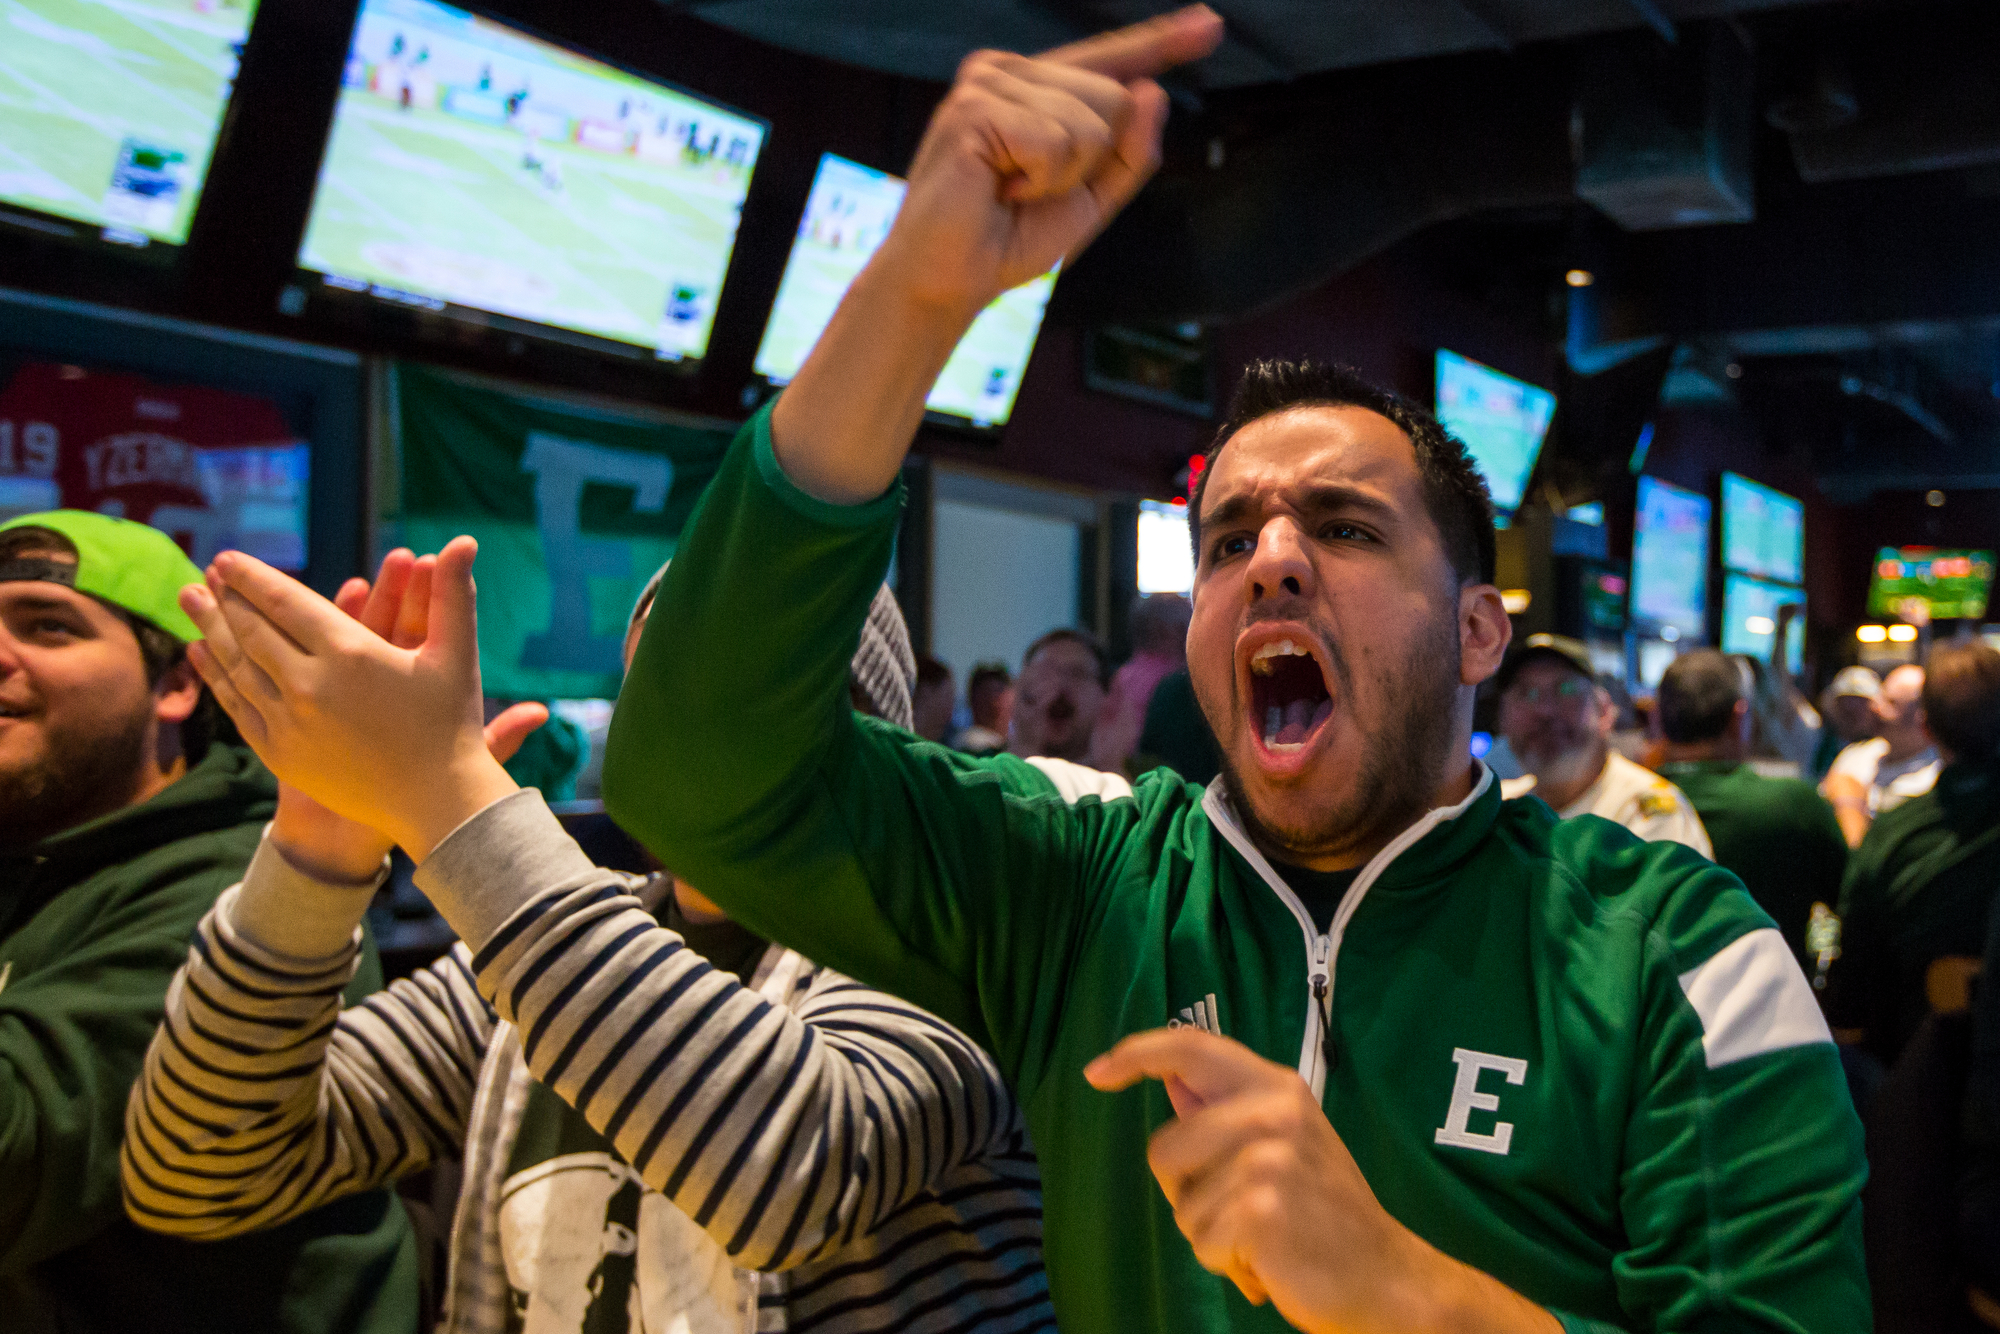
[[1454, 492], [1962, 699], [931, 672], [159, 651], [1698, 696], [1069, 635]]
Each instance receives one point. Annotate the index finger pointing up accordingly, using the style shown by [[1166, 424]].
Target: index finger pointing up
[[1145, 49]]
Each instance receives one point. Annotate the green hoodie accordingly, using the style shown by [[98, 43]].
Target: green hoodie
[[1584, 1064], [93, 923]]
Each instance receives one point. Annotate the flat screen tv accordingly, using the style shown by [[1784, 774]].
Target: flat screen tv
[[1670, 560], [109, 112], [1750, 618], [1500, 420], [1953, 585], [1763, 531], [847, 215], [479, 172], [1166, 560]]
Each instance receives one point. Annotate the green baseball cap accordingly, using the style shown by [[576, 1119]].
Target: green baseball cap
[[129, 565]]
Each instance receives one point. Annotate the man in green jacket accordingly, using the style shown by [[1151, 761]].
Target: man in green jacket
[[122, 817], [1778, 835], [1425, 1060]]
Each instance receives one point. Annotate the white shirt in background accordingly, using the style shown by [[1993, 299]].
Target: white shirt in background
[[1889, 785], [1636, 797]]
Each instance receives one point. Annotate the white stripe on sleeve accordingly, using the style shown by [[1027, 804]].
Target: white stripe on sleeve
[[1753, 999]]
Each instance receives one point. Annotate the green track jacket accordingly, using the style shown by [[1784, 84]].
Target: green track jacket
[[1584, 1064], [93, 923]]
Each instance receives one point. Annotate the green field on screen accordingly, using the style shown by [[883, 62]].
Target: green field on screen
[[423, 201], [86, 87], [998, 341]]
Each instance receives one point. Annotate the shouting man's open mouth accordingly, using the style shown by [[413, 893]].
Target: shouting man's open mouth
[[1289, 699]]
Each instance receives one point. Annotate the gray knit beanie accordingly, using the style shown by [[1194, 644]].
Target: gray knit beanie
[[883, 666]]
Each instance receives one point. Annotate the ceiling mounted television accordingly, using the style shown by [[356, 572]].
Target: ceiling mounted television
[[1670, 561], [1750, 619], [109, 113], [1952, 585], [847, 215], [476, 172], [1763, 531], [1500, 420]]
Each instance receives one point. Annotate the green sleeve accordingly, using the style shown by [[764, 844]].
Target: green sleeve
[[73, 1034], [1741, 1190], [735, 756]]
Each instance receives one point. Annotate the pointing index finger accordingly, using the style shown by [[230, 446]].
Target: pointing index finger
[[1145, 49], [1207, 1066]]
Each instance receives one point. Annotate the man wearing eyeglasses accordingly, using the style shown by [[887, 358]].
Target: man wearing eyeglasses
[[1557, 721]]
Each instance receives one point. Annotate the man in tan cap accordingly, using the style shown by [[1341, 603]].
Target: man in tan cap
[[1557, 721]]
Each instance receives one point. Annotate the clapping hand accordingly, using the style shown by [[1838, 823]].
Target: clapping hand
[[367, 707]]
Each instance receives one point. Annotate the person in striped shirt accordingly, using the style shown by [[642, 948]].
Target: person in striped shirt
[[665, 1123]]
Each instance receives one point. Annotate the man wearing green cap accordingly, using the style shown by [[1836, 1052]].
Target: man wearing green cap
[[124, 812]]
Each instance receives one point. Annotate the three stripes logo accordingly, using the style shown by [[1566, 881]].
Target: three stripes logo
[[1202, 1014]]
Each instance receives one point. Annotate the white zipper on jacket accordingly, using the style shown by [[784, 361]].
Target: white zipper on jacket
[[1323, 950]]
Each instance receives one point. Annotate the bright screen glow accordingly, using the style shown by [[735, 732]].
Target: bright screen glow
[[1166, 561], [471, 165], [109, 108], [1670, 557], [847, 215], [1750, 618], [1500, 419], [1954, 584], [1763, 531]]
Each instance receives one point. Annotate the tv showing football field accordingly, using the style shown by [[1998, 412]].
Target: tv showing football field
[[847, 215], [1951, 585], [1763, 531], [109, 109], [474, 168], [1500, 420], [1670, 559]]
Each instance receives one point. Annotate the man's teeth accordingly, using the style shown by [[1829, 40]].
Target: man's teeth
[[1260, 661], [1286, 729]]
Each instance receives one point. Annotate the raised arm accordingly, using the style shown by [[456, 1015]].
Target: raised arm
[[733, 754]]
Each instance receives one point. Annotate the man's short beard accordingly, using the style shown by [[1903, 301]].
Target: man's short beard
[[84, 771], [1401, 764]]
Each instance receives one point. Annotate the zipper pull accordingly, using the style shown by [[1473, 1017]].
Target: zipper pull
[[1328, 1052]]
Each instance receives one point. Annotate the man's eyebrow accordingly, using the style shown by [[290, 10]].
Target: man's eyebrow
[[1315, 497], [43, 602]]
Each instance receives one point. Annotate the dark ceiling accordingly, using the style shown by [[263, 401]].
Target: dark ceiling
[[1792, 207], [1268, 41]]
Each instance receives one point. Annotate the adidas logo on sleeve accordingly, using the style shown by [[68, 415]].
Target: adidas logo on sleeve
[[1202, 1014]]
